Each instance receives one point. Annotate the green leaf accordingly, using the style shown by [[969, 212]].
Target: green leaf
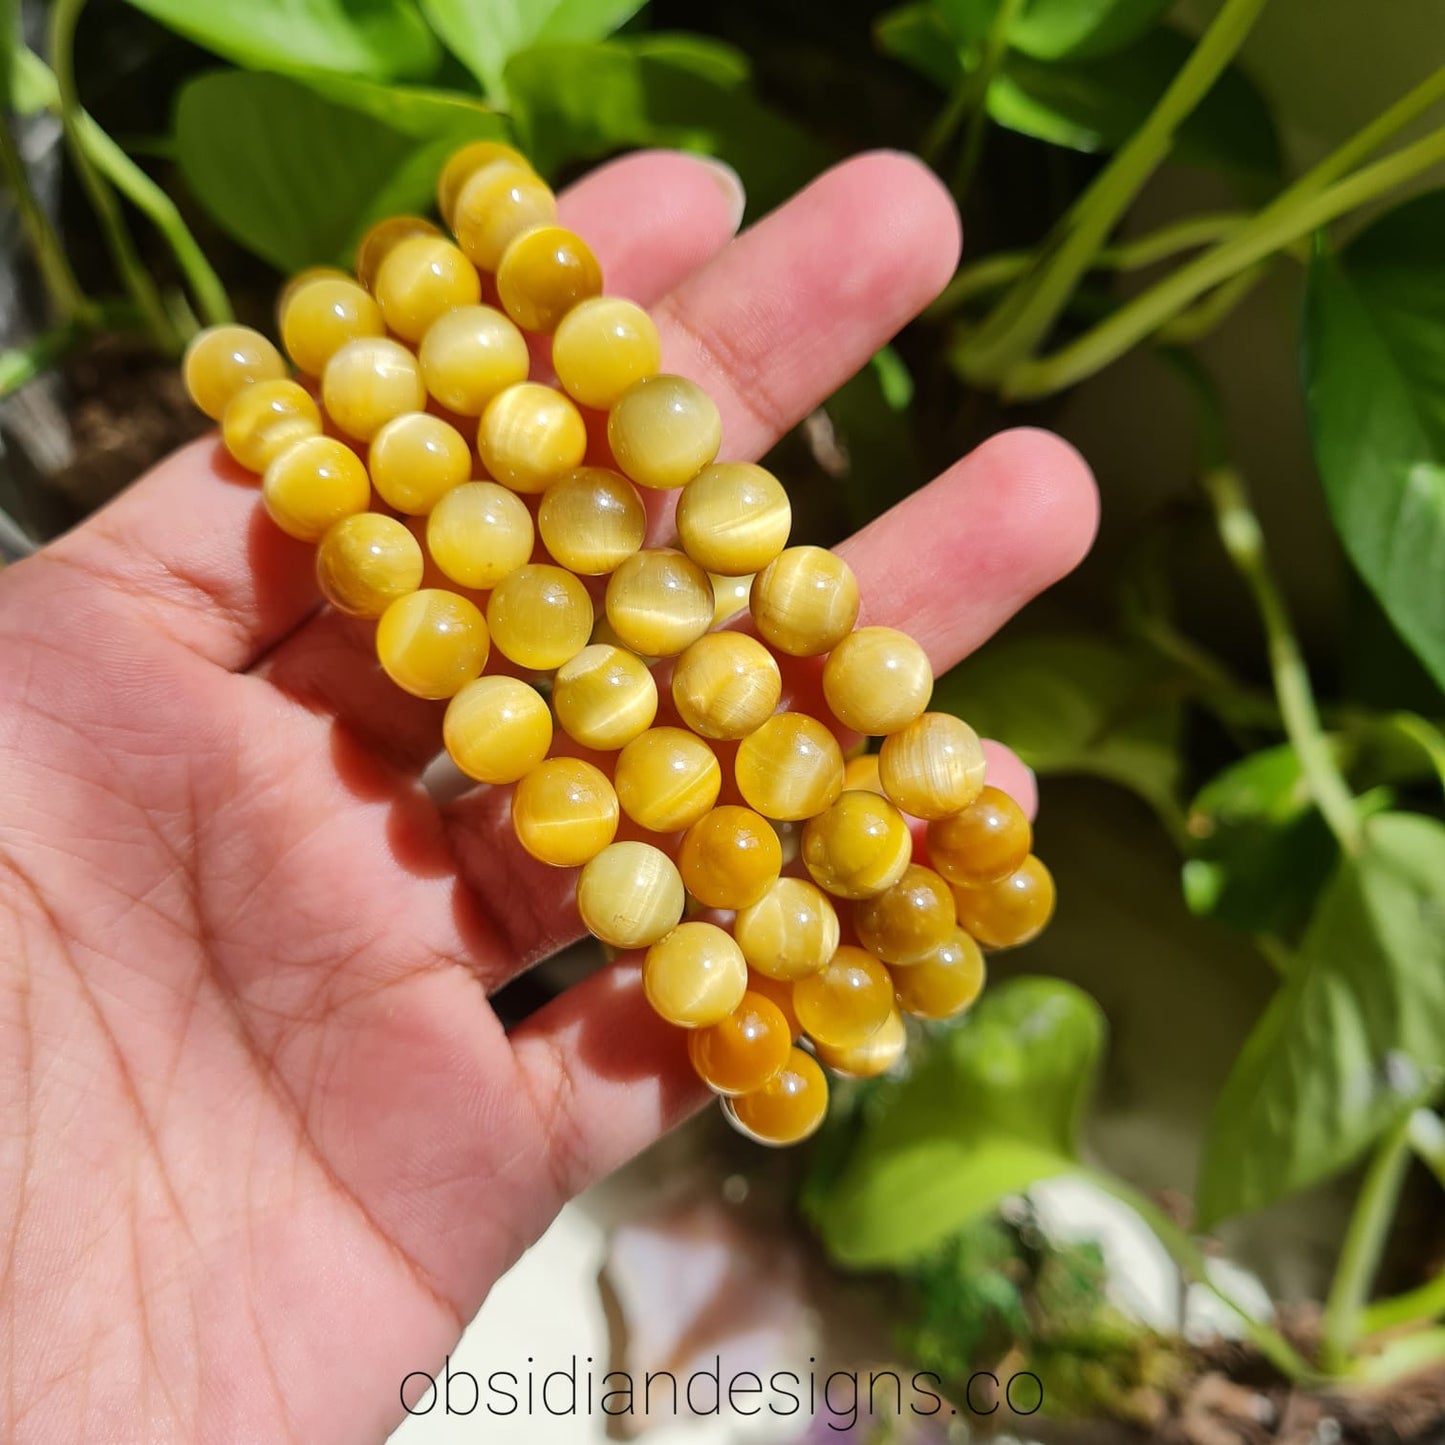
[[918, 36], [992, 1107], [383, 39], [1082, 29], [1353, 1041], [1374, 370]]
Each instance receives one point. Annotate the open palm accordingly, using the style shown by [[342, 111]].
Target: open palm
[[265, 1144]]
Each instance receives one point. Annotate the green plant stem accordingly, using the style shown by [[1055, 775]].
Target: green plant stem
[[995, 47], [1201, 318], [64, 290], [21, 364], [1414, 1307]]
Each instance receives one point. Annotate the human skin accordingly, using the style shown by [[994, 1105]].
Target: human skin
[[264, 1145]]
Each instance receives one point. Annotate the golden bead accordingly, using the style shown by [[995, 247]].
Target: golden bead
[[304, 277], [604, 697], [321, 316], [730, 858], [420, 280], [789, 1108], [592, 520], [313, 484], [416, 459], [1010, 910], [932, 767], [743, 1051], [479, 533], [847, 1002], [790, 932], [733, 518], [223, 361], [497, 729], [790, 768], [730, 596], [465, 163], [540, 616], [543, 274], [659, 602], [663, 430], [630, 895], [695, 976], [265, 418], [529, 436], [858, 847], [805, 601], [860, 774], [564, 812], [365, 562], [601, 347], [368, 382], [908, 921], [726, 685], [874, 1056], [986, 840], [666, 779], [494, 205], [781, 995], [877, 680], [470, 355], [379, 241], [432, 642], [945, 983]]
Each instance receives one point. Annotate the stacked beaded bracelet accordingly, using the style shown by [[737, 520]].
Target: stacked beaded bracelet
[[828, 948]]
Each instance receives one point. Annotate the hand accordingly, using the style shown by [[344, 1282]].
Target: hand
[[266, 1145]]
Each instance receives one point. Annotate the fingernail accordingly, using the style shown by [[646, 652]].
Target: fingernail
[[730, 184]]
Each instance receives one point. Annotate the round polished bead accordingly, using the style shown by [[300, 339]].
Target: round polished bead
[[321, 316], [368, 382], [1009, 911], [592, 520], [313, 484], [874, 1056], [877, 680], [529, 436], [601, 347], [945, 983], [223, 361], [790, 768], [432, 642], [744, 1050], [659, 602], [497, 729], [420, 280], [726, 685], [695, 976], [540, 616], [790, 932], [667, 779], [860, 774], [365, 562], [932, 767], [730, 858], [604, 697], [663, 430], [986, 840], [848, 1001], [564, 812], [858, 847], [781, 995], [304, 277], [734, 518], [805, 601], [471, 354], [416, 459], [494, 205], [465, 163], [789, 1108], [908, 921], [543, 274], [379, 241], [479, 533], [730, 596], [264, 419], [630, 895]]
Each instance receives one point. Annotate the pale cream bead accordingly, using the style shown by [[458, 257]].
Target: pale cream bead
[[805, 601], [604, 697], [479, 533], [497, 729], [726, 685], [791, 932], [529, 436], [666, 779], [734, 518], [539, 616], [415, 460], [470, 355], [877, 680], [932, 767], [659, 601], [368, 382], [790, 768], [602, 346], [663, 430], [630, 895], [695, 976], [592, 520]]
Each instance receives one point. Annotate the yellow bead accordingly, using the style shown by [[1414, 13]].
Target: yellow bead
[[781, 995], [730, 858], [432, 642], [858, 847], [789, 1108], [313, 484], [543, 274], [305, 277], [874, 1056], [790, 932], [601, 347], [695, 977], [223, 361], [540, 616], [1010, 910], [932, 767], [420, 280], [368, 382], [470, 355], [743, 1051], [908, 921], [416, 459], [264, 419], [726, 685], [663, 430], [847, 1002], [564, 812], [479, 533], [986, 840], [378, 243], [365, 562], [630, 895], [730, 596], [497, 729], [805, 601], [733, 518], [320, 317], [791, 768], [659, 602], [860, 774], [877, 680], [529, 436], [494, 205], [465, 163], [604, 697], [667, 779], [592, 520], [945, 983]]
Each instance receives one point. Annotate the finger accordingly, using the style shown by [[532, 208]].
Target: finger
[[1008, 772]]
